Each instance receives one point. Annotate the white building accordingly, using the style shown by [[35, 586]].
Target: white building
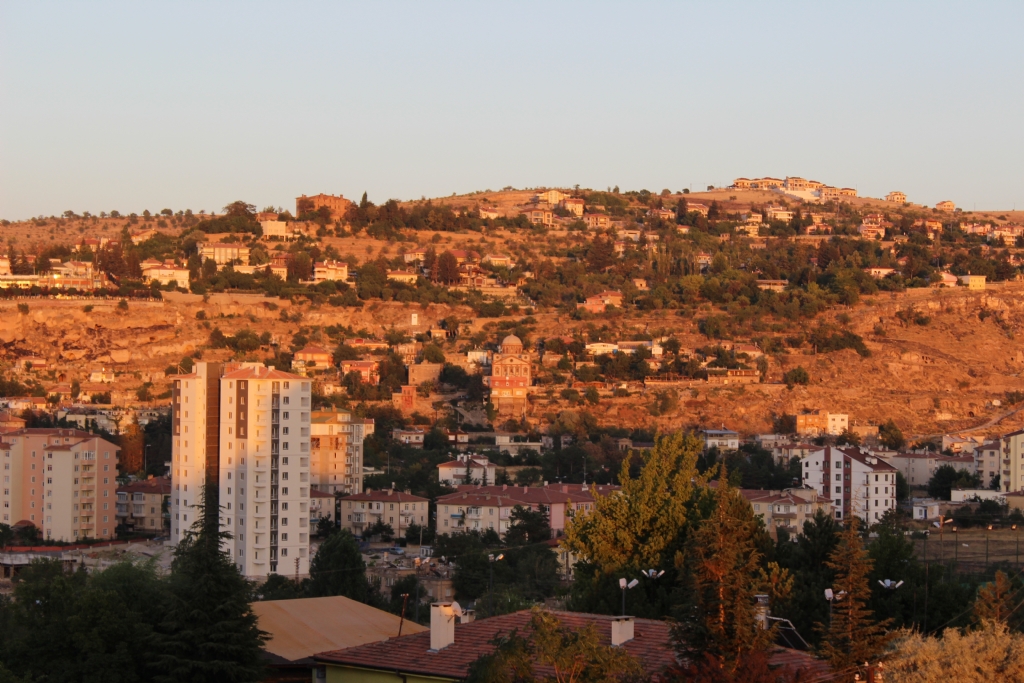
[[723, 439], [246, 429], [857, 483], [481, 470]]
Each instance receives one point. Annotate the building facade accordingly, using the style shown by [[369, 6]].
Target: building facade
[[510, 378], [818, 422], [142, 506], [244, 429], [857, 484], [397, 509], [336, 451], [63, 481]]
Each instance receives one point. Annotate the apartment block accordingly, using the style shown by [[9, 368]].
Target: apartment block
[[818, 422], [142, 506], [245, 429], [336, 451], [398, 509], [63, 481], [857, 483], [1011, 477]]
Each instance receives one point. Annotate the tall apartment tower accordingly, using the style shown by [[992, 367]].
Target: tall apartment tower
[[246, 429], [337, 451]]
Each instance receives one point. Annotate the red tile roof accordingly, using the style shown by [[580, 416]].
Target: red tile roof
[[154, 485], [411, 654], [387, 496]]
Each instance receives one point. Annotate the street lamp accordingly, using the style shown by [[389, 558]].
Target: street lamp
[[145, 459], [491, 559], [956, 548], [832, 596], [889, 584], [987, 529], [1013, 527], [624, 586]]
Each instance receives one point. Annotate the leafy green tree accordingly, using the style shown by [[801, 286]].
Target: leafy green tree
[[946, 478], [852, 636], [527, 526], [338, 569], [891, 437], [209, 632], [432, 353], [278, 587], [796, 376], [573, 654], [446, 269]]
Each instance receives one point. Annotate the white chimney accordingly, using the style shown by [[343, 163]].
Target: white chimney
[[622, 630], [442, 625], [761, 611]]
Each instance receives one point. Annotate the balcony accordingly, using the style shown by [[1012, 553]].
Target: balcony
[[784, 515]]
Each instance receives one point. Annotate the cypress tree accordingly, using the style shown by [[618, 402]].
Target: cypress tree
[[853, 636], [209, 632], [338, 569]]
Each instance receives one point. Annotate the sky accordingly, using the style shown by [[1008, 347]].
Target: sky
[[133, 106]]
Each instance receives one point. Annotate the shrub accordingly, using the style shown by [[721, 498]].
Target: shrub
[[87, 308], [23, 309], [796, 376]]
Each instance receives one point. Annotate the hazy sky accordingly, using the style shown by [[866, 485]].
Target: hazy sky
[[135, 105]]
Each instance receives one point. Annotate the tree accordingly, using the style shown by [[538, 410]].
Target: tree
[[722, 572], [132, 442], [902, 488], [338, 569], [991, 653], [432, 353], [852, 636], [527, 526], [796, 376], [446, 269], [891, 437], [635, 528], [946, 478], [209, 633], [574, 654], [996, 601], [278, 587], [6, 535], [848, 437], [601, 254], [240, 209]]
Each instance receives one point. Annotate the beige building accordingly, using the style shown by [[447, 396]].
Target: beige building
[[164, 272], [574, 205], [337, 204], [479, 468], [786, 509], [918, 468], [946, 206], [223, 254], [818, 422], [896, 198], [856, 483], [539, 215], [245, 428], [986, 461], [550, 197], [975, 282], [398, 509], [63, 481], [336, 451], [330, 270], [511, 377], [1011, 477], [143, 506]]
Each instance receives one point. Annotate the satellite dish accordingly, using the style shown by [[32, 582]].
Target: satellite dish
[[456, 608], [633, 583], [829, 594], [622, 584]]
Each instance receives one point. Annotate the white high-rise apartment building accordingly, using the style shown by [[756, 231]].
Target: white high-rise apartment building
[[246, 428]]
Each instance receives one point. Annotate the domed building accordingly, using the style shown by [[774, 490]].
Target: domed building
[[511, 377]]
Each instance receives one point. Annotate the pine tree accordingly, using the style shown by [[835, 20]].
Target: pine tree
[[996, 600], [852, 637], [722, 571], [210, 632]]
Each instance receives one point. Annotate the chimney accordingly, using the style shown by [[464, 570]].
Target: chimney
[[442, 625], [468, 616], [622, 630], [565, 489]]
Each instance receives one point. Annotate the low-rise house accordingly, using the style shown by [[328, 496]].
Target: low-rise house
[[415, 255], [871, 232], [918, 467], [896, 197], [722, 439], [772, 285], [467, 468], [369, 370], [947, 206], [539, 215], [697, 207], [574, 205], [487, 212], [409, 437], [164, 272], [786, 509], [336, 271], [818, 422], [499, 260], [878, 272], [224, 253], [599, 303], [779, 213], [312, 357], [367, 344], [596, 220], [974, 282]]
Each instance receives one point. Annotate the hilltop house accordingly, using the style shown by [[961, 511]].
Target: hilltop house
[[467, 468]]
